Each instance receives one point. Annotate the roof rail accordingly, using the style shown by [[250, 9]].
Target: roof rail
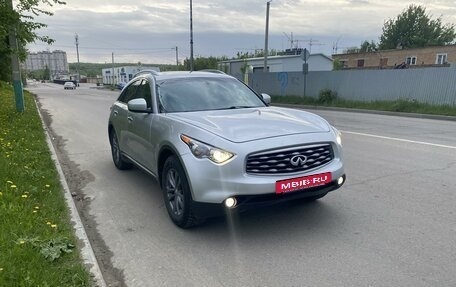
[[153, 72], [212, 71]]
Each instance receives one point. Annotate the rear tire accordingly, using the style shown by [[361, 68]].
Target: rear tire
[[177, 195], [117, 157]]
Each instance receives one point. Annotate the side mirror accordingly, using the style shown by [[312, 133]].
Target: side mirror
[[266, 98], [138, 106]]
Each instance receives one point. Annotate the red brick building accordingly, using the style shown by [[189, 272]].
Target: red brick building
[[388, 59]]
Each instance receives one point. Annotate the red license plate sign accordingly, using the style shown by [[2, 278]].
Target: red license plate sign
[[298, 183]]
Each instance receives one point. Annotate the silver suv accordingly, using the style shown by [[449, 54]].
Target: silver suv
[[214, 144]]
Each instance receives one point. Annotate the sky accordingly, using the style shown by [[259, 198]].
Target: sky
[[149, 31]]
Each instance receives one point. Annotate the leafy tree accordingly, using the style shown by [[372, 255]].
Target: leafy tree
[[414, 28], [367, 46], [337, 65], [22, 18], [46, 73], [201, 63], [351, 50]]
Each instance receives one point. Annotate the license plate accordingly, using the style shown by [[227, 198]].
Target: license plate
[[298, 183]]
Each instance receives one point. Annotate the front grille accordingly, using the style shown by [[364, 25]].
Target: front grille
[[280, 161]]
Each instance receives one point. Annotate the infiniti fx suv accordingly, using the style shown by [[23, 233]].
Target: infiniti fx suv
[[214, 144]]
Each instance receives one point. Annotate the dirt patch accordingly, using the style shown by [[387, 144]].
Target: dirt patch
[[77, 179]]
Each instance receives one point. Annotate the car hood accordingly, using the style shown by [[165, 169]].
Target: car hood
[[242, 125]]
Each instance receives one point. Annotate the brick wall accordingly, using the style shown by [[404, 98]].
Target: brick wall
[[389, 58]]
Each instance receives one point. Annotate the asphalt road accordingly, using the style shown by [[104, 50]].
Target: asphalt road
[[392, 224]]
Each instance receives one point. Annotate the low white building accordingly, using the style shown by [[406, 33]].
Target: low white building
[[287, 63], [113, 76]]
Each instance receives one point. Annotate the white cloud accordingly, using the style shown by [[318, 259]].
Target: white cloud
[[147, 30]]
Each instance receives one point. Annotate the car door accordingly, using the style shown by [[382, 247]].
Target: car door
[[119, 117], [139, 126]]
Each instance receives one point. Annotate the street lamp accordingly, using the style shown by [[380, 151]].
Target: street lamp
[[265, 68]]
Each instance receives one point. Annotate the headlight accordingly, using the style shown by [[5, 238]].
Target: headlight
[[338, 136], [202, 150]]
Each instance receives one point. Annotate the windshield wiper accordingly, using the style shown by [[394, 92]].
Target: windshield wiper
[[236, 107]]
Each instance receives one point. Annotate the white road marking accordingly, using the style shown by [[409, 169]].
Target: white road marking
[[400, 140]]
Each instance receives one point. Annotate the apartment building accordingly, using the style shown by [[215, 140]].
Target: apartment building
[[56, 61]]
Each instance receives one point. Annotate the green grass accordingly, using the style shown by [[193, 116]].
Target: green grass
[[406, 106], [37, 243]]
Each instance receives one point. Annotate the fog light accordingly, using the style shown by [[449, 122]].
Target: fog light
[[340, 180], [230, 202]]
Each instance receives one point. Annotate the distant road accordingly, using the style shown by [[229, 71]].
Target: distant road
[[392, 224]]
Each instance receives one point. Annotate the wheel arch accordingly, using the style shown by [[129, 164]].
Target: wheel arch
[[110, 129], [165, 152]]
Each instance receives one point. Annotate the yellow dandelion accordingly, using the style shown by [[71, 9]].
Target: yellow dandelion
[[21, 242], [48, 223], [13, 186], [9, 181], [24, 196], [54, 225], [37, 207], [35, 211], [47, 185], [1, 269]]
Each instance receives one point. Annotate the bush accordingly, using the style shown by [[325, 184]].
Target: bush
[[327, 96]]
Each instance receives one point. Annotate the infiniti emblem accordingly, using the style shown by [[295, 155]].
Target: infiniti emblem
[[298, 160]]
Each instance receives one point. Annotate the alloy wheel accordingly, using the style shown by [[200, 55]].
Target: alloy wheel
[[175, 193]]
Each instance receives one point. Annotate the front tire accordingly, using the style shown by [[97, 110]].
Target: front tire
[[116, 153], [176, 194]]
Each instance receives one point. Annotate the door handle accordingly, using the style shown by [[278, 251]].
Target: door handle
[[130, 119], [115, 113]]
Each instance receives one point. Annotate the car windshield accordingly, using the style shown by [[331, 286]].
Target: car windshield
[[201, 94]]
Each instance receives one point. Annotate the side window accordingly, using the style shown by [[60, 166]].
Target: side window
[[145, 93], [129, 92]]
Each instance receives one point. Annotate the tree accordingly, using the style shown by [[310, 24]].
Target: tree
[[22, 18], [414, 28], [337, 65], [201, 63], [367, 46]]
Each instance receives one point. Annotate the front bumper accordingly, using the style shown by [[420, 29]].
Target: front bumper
[[211, 183], [246, 202]]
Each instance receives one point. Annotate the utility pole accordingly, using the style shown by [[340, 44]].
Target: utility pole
[[16, 71], [191, 35], [265, 67], [177, 59], [112, 68], [76, 39]]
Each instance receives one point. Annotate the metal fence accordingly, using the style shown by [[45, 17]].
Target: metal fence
[[427, 85]]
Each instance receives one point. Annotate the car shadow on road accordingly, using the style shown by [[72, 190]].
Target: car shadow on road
[[297, 217]]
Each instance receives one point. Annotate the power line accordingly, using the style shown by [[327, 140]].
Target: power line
[[109, 48]]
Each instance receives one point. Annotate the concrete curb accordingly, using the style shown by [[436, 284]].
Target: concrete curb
[[87, 254], [387, 113]]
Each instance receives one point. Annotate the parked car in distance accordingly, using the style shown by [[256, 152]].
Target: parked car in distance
[[215, 145], [121, 85], [69, 86]]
